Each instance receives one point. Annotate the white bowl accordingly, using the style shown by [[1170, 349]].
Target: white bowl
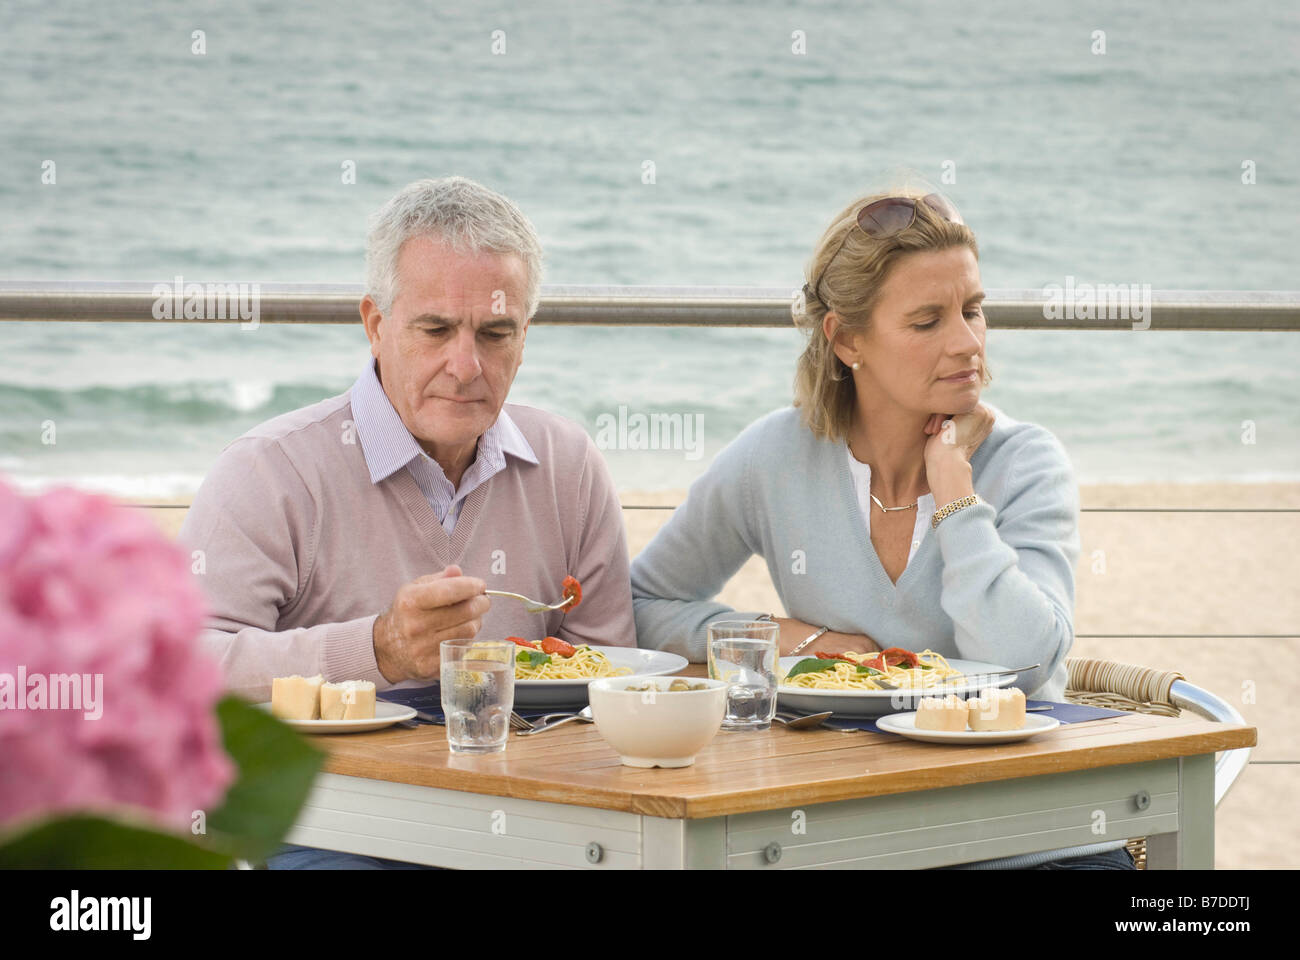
[[657, 729]]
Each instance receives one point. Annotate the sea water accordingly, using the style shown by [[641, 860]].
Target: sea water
[[683, 143]]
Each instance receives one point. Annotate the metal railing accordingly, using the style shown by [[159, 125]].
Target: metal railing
[[641, 306]]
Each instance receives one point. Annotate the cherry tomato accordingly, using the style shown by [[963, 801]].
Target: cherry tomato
[[835, 656], [522, 642], [554, 645], [894, 656], [571, 589]]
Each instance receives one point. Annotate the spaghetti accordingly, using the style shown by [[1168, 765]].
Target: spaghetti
[[872, 671], [554, 659]]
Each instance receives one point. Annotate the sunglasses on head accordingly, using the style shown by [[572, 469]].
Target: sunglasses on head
[[886, 217], [892, 215]]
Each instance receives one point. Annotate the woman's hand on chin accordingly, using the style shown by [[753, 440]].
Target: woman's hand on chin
[[961, 439]]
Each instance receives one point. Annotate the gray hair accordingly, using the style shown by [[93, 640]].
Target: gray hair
[[464, 214]]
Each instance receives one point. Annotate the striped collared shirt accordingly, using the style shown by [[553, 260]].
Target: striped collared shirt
[[388, 446]]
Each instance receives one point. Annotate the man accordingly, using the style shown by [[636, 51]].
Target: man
[[350, 537]]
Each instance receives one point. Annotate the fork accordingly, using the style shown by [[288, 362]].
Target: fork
[[516, 722], [532, 606], [582, 716]]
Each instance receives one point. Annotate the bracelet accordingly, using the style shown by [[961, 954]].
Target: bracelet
[[807, 640], [952, 508], [768, 618]]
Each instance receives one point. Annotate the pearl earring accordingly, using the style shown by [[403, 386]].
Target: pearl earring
[[857, 365]]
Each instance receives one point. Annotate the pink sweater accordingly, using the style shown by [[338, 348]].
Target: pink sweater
[[300, 551]]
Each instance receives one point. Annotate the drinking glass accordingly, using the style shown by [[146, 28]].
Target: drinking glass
[[744, 653], [478, 693]]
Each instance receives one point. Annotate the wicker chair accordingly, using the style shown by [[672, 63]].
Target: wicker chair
[[1126, 686]]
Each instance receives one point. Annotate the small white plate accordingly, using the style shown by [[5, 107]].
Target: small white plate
[[904, 724], [386, 714], [642, 663]]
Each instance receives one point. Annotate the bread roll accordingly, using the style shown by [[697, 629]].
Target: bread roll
[[947, 713], [349, 700], [996, 709], [296, 698]]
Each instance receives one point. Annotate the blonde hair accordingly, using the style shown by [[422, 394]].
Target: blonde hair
[[846, 274]]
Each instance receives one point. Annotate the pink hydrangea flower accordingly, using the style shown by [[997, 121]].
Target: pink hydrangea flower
[[93, 588]]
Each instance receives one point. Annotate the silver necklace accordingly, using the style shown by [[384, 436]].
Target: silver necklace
[[877, 499]]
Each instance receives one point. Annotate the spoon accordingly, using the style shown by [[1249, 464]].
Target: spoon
[[793, 721]]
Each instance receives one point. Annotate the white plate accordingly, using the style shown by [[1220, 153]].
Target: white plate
[[904, 724], [877, 703], [643, 663], [386, 714]]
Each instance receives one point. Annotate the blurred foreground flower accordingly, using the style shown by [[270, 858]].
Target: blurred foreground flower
[[92, 588]]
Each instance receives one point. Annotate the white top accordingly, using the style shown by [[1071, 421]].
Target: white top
[[925, 507]]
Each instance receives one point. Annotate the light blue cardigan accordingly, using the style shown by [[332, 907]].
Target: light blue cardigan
[[994, 581]]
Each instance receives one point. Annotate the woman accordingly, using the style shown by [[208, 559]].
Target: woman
[[891, 506]]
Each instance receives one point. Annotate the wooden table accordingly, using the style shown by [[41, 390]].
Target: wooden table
[[772, 799]]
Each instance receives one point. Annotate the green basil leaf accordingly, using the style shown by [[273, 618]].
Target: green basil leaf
[[812, 665]]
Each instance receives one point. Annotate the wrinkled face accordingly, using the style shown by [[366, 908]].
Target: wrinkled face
[[450, 347], [927, 325]]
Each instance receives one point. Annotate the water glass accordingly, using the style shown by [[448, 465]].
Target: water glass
[[744, 653], [478, 693]]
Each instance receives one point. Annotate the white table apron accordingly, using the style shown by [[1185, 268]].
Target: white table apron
[[1171, 802]]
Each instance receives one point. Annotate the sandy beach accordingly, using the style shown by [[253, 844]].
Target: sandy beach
[[1188, 578]]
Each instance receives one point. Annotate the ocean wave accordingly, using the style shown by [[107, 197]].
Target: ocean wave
[[163, 486], [172, 486], [193, 402]]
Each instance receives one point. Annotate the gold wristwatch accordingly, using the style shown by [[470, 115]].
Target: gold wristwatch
[[952, 508]]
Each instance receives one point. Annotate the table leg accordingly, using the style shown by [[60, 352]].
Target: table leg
[[683, 844], [1191, 846]]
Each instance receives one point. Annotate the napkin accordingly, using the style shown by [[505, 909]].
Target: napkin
[[429, 700]]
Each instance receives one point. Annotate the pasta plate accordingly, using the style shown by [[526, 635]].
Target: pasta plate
[[642, 663], [878, 703]]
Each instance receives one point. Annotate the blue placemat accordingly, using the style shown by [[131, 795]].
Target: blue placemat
[[428, 700], [1064, 712]]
